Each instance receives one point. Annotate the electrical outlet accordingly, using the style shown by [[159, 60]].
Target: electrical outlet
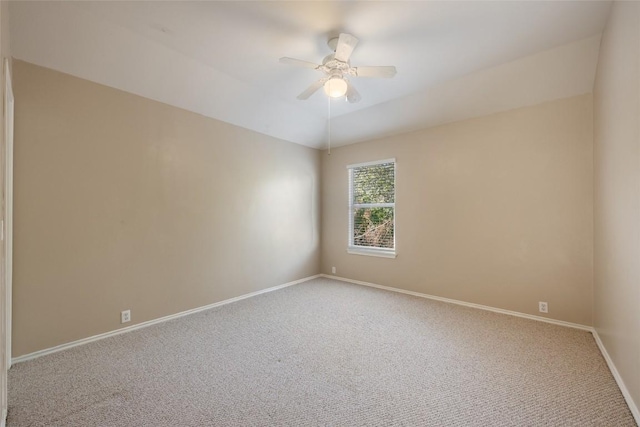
[[333, 270], [543, 307], [125, 316]]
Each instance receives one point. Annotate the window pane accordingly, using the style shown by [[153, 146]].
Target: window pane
[[373, 227], [373, 184]]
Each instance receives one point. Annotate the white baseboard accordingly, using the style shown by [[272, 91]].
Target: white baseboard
[[3, 421], [464, 303], [614, 371], [87, 340], [612, 367]]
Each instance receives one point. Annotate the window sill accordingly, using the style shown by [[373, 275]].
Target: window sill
[[371, 252]]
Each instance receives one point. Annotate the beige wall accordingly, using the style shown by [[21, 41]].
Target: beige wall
[[5, 43], [617, 193], [495, 210], [126, 203]]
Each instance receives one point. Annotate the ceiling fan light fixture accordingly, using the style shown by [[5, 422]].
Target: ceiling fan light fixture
[[336, 87], [336, 67]]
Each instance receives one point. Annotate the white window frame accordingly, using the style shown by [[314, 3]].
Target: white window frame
[[368, 250]]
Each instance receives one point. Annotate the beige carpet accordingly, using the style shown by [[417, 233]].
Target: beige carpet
[[326, 353]]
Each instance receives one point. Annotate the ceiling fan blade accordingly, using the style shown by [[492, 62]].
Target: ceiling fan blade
[[313, 88], [384, 71], [346, 44], [298, 63], [353, 95]]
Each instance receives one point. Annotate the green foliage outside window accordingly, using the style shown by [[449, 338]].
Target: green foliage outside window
[[373, 226]]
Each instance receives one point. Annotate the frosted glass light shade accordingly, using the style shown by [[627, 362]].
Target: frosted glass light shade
[[335, 87]]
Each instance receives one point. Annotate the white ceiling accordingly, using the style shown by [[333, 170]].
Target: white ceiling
[[455, 60]]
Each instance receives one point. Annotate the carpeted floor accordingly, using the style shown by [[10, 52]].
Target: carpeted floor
[[326, 353]]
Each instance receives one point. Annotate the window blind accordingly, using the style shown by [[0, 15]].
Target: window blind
[[372, 205]]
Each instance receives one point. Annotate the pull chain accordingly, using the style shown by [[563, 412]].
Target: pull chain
[[329, 124]]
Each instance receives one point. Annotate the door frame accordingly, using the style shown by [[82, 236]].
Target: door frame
[[9, 102], [6, 237]]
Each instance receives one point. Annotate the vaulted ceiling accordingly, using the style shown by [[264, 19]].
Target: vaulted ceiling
[[455, 60]]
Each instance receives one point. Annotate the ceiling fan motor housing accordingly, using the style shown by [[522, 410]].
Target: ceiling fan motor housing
[[332, 66], [328, 58]]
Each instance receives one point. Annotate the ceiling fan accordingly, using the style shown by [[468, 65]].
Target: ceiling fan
[[337, 68]]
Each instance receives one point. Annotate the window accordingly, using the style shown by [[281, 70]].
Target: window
[[372, 188]]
